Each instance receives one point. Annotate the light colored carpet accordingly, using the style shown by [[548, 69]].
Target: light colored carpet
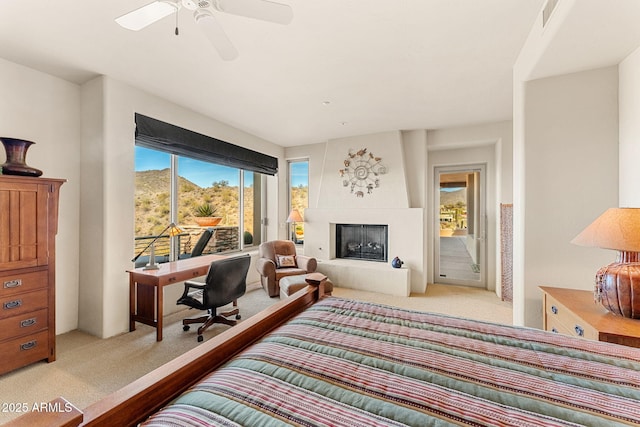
[[88, 368], [468, 302]]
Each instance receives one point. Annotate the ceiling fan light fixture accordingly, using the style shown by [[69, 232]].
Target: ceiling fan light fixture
[[196, 4]]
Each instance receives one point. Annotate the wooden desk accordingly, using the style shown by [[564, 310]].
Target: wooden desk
[[573, 312], [145, 288]]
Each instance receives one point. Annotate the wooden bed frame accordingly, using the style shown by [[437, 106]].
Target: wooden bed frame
[[138, 400]]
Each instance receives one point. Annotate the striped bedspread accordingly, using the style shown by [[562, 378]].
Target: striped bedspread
[[348, 363]]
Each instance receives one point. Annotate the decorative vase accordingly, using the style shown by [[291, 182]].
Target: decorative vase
[[396, 263], [618, 285], [16, 151], [208, 221]]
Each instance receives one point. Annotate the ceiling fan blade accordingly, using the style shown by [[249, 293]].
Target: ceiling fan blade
[[263, 10], [147, 15], [216, 35]]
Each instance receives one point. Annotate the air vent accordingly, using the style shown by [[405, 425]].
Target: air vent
[[547, 11]]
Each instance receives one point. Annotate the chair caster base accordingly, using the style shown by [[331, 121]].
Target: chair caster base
[[186, 327], [200, 338]]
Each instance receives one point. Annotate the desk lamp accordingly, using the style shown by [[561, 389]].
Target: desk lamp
[[173, 231]]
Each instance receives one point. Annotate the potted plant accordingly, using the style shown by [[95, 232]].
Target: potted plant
[[205, 216]]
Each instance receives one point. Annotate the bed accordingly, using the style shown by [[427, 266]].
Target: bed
[[340, 362]]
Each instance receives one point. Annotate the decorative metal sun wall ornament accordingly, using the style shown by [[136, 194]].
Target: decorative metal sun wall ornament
[[362, 172]]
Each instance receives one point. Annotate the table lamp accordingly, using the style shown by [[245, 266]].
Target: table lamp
[[151, 265], [294, 216], [617, 285]]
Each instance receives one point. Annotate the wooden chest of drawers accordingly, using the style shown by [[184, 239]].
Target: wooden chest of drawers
[[28, 225], [574, 312]]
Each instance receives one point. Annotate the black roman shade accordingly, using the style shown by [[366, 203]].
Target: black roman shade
[[158, 135]]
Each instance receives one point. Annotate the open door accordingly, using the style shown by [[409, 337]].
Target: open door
[[460, 237]]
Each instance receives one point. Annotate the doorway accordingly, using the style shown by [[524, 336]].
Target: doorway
[[460, 229]]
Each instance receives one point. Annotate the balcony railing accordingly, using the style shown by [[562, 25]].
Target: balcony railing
[[224, 239]]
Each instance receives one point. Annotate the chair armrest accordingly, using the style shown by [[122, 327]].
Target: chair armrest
[[307, 263], [194, 284], [266, 267], [189, 284]]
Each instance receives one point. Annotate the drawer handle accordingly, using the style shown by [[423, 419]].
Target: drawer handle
[[28, 345], [579, 330], [12, 283], [28, 322], [171, 279], [554, 330], [554, 309], [12, 304]]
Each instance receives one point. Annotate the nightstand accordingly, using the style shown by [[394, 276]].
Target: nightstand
[[574, 312]]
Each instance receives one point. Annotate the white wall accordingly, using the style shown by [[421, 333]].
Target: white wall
[[629, 84], [414, 143], [393, 185], [46, 110], [108, 189], [570, 178]]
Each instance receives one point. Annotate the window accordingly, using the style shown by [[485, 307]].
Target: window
[[230, 192], [298, 196], [152, 200]]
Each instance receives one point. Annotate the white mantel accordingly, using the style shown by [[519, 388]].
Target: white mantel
[[404, 241]]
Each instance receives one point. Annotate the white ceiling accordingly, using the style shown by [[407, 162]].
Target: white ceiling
[[381, 65]]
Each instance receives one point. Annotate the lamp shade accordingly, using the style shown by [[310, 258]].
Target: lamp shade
[[294, 216], [616, 228], [174, 230]]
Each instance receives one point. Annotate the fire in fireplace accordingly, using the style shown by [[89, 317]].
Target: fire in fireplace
[[362, 241]]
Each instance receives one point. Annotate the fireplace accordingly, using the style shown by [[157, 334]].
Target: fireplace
[[361, 241]]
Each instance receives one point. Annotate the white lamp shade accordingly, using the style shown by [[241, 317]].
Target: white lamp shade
[[294, 216]]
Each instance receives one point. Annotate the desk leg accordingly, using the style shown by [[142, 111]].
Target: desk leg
[[145, 306], [132, 304], [159, 312]]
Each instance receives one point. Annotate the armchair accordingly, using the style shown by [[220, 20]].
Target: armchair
[[277, 259], [226, 281]]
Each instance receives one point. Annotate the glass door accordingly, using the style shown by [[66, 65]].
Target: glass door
[[460, 229]]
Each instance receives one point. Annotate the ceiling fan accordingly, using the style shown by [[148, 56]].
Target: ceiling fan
[[202, 13]]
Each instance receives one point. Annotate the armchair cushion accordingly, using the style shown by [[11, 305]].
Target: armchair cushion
[[286, 261]]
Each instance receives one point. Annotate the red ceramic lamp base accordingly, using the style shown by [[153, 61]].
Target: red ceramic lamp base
[[618, 285]]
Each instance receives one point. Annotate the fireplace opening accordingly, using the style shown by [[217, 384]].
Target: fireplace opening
[[361, 241]]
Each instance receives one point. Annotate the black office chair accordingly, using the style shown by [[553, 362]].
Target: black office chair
[[202, 243], [226, 281]]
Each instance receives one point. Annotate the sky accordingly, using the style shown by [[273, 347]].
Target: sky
[[205, 174], [299, 174]]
